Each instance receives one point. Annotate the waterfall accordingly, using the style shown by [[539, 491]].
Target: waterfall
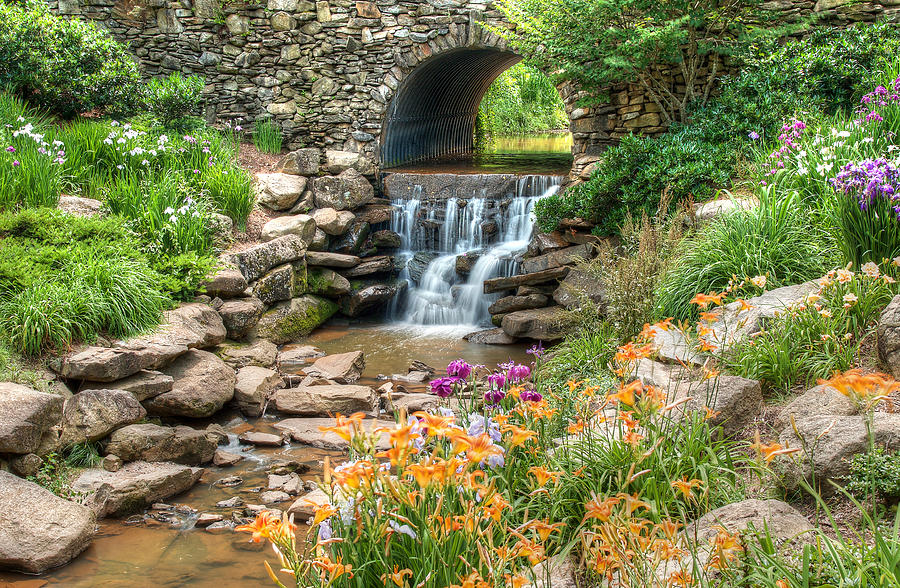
[[497, 230]]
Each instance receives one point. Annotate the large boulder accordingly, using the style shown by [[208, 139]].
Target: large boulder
[[259, 259], [337, 161], [253, 387], [381, 264], [333, 222], [387, 239], [302, 162], [261, 353], [327, 282], [831, 442], [299, 224], [240, 316], [293, 358], [134, 486], [502, 284], [149, 442], [227, 282], [673, 347], [735, 402], [490, 337], [276, 285], [418, 264], [93, 414], [578, 286], [781, 520], [77, 206], [25, 416], [279, 191], [557, 258], [307, 431], [818, 401], [354, 241], [144, 384], [188, 326], [343, 368], [39, 530], [322, 401], [545, 324], [295, 318], [328, 259], [514, 303], [733, 322], [370, 298], [347, 191], [889, 336], [203, 384]]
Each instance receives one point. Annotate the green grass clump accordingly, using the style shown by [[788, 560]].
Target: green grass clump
[[65, 279], [775, 239], [267, 137]]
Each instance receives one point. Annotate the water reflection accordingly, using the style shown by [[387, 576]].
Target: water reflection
[[542, 154]]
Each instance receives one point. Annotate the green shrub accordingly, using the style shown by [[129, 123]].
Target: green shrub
[[54, 475], [876, 472], [65, 65], [182, 274], [173, 100], [267, 137], [65, 279], [775, 239], [632, 177]]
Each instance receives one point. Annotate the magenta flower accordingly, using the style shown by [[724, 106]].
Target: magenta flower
[[517, 373], [459, 368], [496, 381], [15, 163], [493, 397], [531, 396], [443, 387], [11, 149]]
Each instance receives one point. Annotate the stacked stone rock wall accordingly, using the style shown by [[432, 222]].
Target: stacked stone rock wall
[[325, 72]]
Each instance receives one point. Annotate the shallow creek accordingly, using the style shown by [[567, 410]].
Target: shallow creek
[[173, 552]]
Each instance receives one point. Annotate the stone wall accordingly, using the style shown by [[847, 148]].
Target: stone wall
[[327, 71]]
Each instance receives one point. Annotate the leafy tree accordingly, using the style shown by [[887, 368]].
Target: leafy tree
[[602, 43]]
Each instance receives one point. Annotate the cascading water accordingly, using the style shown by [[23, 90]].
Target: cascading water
[[497, 230]]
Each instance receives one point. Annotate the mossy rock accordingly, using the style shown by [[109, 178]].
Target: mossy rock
[[301, 278], [327, 282], [295, 318]]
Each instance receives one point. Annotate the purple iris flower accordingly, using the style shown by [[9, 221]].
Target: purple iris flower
[[517, 373], [459, 368], [753, 135], [496, 381], [443, 387], [536, 350]]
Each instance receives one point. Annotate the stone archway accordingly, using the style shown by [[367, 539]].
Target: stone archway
[[432, 113]]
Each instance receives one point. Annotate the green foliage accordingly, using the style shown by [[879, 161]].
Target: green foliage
[[826, 71], [163, 211], [54, 475], [30, 166], [775, 239], [634, 174], [521, 100], [267, 137], [14, 369], [603, 43], [181, 275], [815, 339], [83, 455], [876, 472], [173, 100], [64, 279], [65, 65]]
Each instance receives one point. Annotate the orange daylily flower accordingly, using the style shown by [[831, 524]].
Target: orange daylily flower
[[681, 578], [543, 475], [435, 424], [626, 393], [261, 527], [866, 390], [332, 570], [519, 435], [397, 576], [600, 509], [770, 451], [517, 581], [542, 528], [323, 512], [632, 503], [704, 300], [345, 427], [685, 486], [576, 427]]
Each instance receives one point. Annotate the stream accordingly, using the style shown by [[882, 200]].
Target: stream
[[167, 550]]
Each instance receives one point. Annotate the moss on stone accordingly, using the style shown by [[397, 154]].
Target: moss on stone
[[316, 283]]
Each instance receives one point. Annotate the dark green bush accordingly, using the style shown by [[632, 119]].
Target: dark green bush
[[65, 65], [825, 72], [633, 176], [175, 99], [877, 472]]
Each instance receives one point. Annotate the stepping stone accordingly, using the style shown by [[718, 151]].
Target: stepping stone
[[262, 439]]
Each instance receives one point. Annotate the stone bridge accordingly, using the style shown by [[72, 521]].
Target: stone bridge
[[375, 84]]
